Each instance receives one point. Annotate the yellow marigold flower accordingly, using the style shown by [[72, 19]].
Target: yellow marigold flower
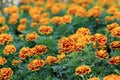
[[21, 27], [2, 20], [115, 60], [45, 30], [115, 45], [9, 49], [15, 62], [44, 21], [6, 73], [112, 77], [5, 38], [24, 52], [36, 17], [112, 26], [36, 64], [34, 24], [94, 78], [61, 56], [66, 19], [116, 32], [83, 31], [2, 60], [56, 20], [51, 59], [12, 21], [109, 18], [82, 70], [39, 49], [102, 54], [31, 36], [23, 21]]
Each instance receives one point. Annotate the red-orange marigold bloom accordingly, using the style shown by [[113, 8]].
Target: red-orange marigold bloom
[[15, 62], [102, 54], [115, 45], [94, 78], [82, 70], [112, 77], [116, 32], [36, 64], [115, 60], [45, 30], [31, 36], [66, 19], [51, 59], [2, 60], [112, 26], [9, 49]]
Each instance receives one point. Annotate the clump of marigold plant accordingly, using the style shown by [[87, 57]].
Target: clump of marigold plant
[[112, 77], [39, 49], [115, 45], [9, 49], [115, 60], [94, 78], [14, 62], [51, 59], [31, 36], [82, 70], [2, 60], [5, 38], [36, 64], [45, 30], [5, 73], [24, 52], [102, 54]]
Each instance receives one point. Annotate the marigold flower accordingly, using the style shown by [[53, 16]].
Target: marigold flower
[[45, 30], [34, 24], [14, 16], [44, 21], [112, 77], [2, 60], [61, 56], [5, 38], [55, 10], [36, 17], [12, 21], [56, 20], [115, 60], [31, 36], [112, 26], [9, 49], [39, 49], [116, 32], [83, 31], [82, 70], [109, 18], [24, 52], [66, 19], [6, 73], [5, 27], [2, 20], [80, 11], [36, 64], [112, 10], [15, 62], [115, 45], [51, 59], [94, 78], [23, 21], [21, 27], [102, 54]]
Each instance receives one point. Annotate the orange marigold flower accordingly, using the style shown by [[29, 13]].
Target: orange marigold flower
[[31, 36], [6, 73], [5, 38], [82, 70], [21, 27], [34, 24], [55, 10], [5, 27], [101, 54], [94, 78], [2, 20], [36, 64], [66, 19], [112, 10], [15, 62], [112, 77], [112, 26], [39, 49], [9, 49], [12, 21], [116, 32], [14, 16], [24, 52], [45, 30], [115, 60], [80, 11], [56, 20], [44, 21], [83, 31], [109, 18], [36, 17], [23, 21], [61, 56], [2, 60], [51, 59], [115, 45]]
